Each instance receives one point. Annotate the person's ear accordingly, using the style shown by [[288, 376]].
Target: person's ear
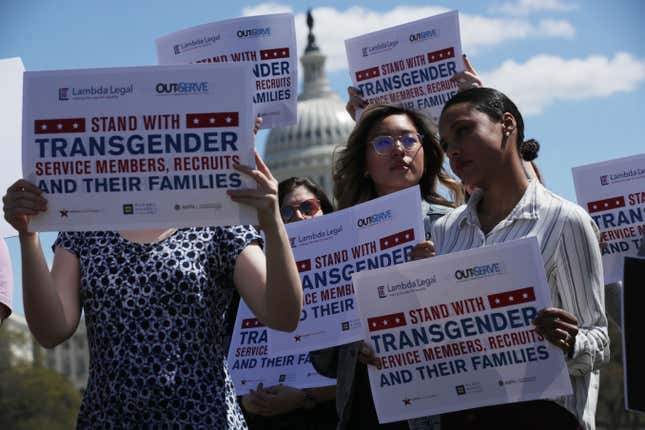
[[508, 124]]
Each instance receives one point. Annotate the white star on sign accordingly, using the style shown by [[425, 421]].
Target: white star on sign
[[75, 125], [275, 54], [407, 236], [510, 298], [385, 322], [526, 296], [195, 121], [284, 52], [397, 320], [59, 126], [374, 324], [44, 127], [386, 242], [496, 300], [212, 120], [228, 119]]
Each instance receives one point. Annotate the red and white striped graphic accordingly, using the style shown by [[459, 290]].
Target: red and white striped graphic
[[61, 125], [606, 204], [441, 55], [386, 321], [304, 265], [251, 323], [273, 54], [509, 298], [370, 73], [212, 119], [397, 239]]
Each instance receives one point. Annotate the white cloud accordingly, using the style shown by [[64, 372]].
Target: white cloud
[[525, 7], [333, 26], [544, 80]]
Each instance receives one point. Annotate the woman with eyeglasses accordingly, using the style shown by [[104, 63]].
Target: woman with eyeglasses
[[281, 406], [390, 149]]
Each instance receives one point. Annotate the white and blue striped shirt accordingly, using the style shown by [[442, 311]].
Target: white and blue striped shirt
[[572, 261]]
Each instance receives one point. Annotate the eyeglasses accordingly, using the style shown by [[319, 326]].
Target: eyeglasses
[[384, 144], [308, 207]]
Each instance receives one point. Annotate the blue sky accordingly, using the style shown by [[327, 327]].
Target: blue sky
[[575, 68]]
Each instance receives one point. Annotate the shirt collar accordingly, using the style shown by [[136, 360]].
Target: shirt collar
[[526, 208]]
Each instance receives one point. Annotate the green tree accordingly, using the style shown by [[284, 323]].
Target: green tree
[[37, 398]]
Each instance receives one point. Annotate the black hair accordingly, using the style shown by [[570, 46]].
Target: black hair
[[494, 104], [288, 185]]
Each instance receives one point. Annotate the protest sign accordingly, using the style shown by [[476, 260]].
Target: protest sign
[[613, 192], [250, 363], [11, 70], [633, 297], [408, 65], [455, 332], [138, 148], [268, 42], [329, 249]]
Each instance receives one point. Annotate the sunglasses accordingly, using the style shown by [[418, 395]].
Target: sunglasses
[[383, 145], [307, 208]]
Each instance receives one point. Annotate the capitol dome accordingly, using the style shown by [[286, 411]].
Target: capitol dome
[[305, 149]]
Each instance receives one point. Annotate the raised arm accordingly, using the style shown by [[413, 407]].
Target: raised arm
[[268, 282], [51, 298]]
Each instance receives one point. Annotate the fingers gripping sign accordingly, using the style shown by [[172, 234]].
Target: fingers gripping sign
[[265, 197], [559, 327], [23, 201]]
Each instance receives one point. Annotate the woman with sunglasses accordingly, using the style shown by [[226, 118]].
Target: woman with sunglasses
[[280, 406], [390, 149], [482, 132]]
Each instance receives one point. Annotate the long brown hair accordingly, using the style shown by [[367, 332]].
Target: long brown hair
[[351, 186]]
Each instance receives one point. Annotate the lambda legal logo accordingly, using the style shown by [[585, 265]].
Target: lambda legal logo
[[381, 291], [604, 180], [62, 94]]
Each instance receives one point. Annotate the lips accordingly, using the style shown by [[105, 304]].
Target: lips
[[400, 165], [460, 165]]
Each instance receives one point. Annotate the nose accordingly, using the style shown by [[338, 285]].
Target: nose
[[398, 147], [297, 215]]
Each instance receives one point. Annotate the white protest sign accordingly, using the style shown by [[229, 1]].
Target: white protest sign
[[455, 332], [613, 192], [410, 64], [11, 70], [329, 249], [268, 42], [250, 364], [138, 148]]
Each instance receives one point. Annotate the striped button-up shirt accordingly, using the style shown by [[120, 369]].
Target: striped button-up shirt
[[568, 242]]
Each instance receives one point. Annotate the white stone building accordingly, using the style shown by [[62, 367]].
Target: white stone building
[[71, 358], [305, 149]]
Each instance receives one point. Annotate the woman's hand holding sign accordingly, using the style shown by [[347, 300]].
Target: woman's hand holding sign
[[22, 201], [559, 327]]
